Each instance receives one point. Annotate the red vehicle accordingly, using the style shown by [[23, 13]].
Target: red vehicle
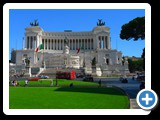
[[66, 75]]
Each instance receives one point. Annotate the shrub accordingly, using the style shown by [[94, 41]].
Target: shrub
[[34, 79]]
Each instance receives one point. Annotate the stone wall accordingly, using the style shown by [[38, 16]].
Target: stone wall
[[118, 69]]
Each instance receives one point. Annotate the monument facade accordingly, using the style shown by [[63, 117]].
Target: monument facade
[[88, 50]]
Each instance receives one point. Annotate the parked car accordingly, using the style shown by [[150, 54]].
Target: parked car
[[43, 77], [124, 80], [88, 78], [142, 85], [79, 75], [46, 77], [141, 78], [121, 78]]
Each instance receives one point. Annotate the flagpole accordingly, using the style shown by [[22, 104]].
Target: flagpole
[[16, 44], [84, 59], [43, 57]]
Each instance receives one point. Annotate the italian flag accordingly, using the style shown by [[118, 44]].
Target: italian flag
[[78, 49], [41, 46]]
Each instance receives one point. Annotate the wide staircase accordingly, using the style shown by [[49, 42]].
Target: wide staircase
[[51, 72]]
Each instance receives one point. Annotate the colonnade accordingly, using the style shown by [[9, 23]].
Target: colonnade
[[58, 44], [103, 42], [31, 42]]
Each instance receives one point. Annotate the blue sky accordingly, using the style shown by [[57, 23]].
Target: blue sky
[[76, 20]]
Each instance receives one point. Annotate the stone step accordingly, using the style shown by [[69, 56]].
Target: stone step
[[133, 104]]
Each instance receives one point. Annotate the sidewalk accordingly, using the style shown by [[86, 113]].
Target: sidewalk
[[133, 104]]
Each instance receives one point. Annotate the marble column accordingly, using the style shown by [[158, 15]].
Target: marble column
[[32, 42], [72, 44], [69, 43], [53, 44], [50, 44], [97, 42], [62, 44], [36, 43], [54, 47], [87, 43], [90, 44], [29, 42], [75, 44], [26, 39], [104, 42], [84, 44], [108, 42], [51, 47], [57, 46], [44, 44], [78, 43], [101, 43], [81, 43]]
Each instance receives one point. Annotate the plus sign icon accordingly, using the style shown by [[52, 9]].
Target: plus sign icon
[[147, 99]]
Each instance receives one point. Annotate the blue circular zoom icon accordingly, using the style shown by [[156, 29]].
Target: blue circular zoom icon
[[147, 99]]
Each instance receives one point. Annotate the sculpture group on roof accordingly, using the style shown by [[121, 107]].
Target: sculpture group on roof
[[100, 23], [35, 23]]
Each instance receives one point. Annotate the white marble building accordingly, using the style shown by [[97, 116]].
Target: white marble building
[[96, 44]]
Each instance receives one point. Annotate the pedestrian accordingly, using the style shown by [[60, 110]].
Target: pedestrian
[[100, 83], [51, 83], [71, 85], [26, 82], [14, 82]]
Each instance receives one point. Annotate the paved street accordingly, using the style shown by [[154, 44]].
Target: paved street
[[131, 88]]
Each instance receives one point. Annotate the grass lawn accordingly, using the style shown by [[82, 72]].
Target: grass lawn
[[61, 83], [66, 97]]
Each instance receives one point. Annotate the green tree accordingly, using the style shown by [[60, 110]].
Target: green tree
[[135, 29], [143, 56], [136, 65]]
